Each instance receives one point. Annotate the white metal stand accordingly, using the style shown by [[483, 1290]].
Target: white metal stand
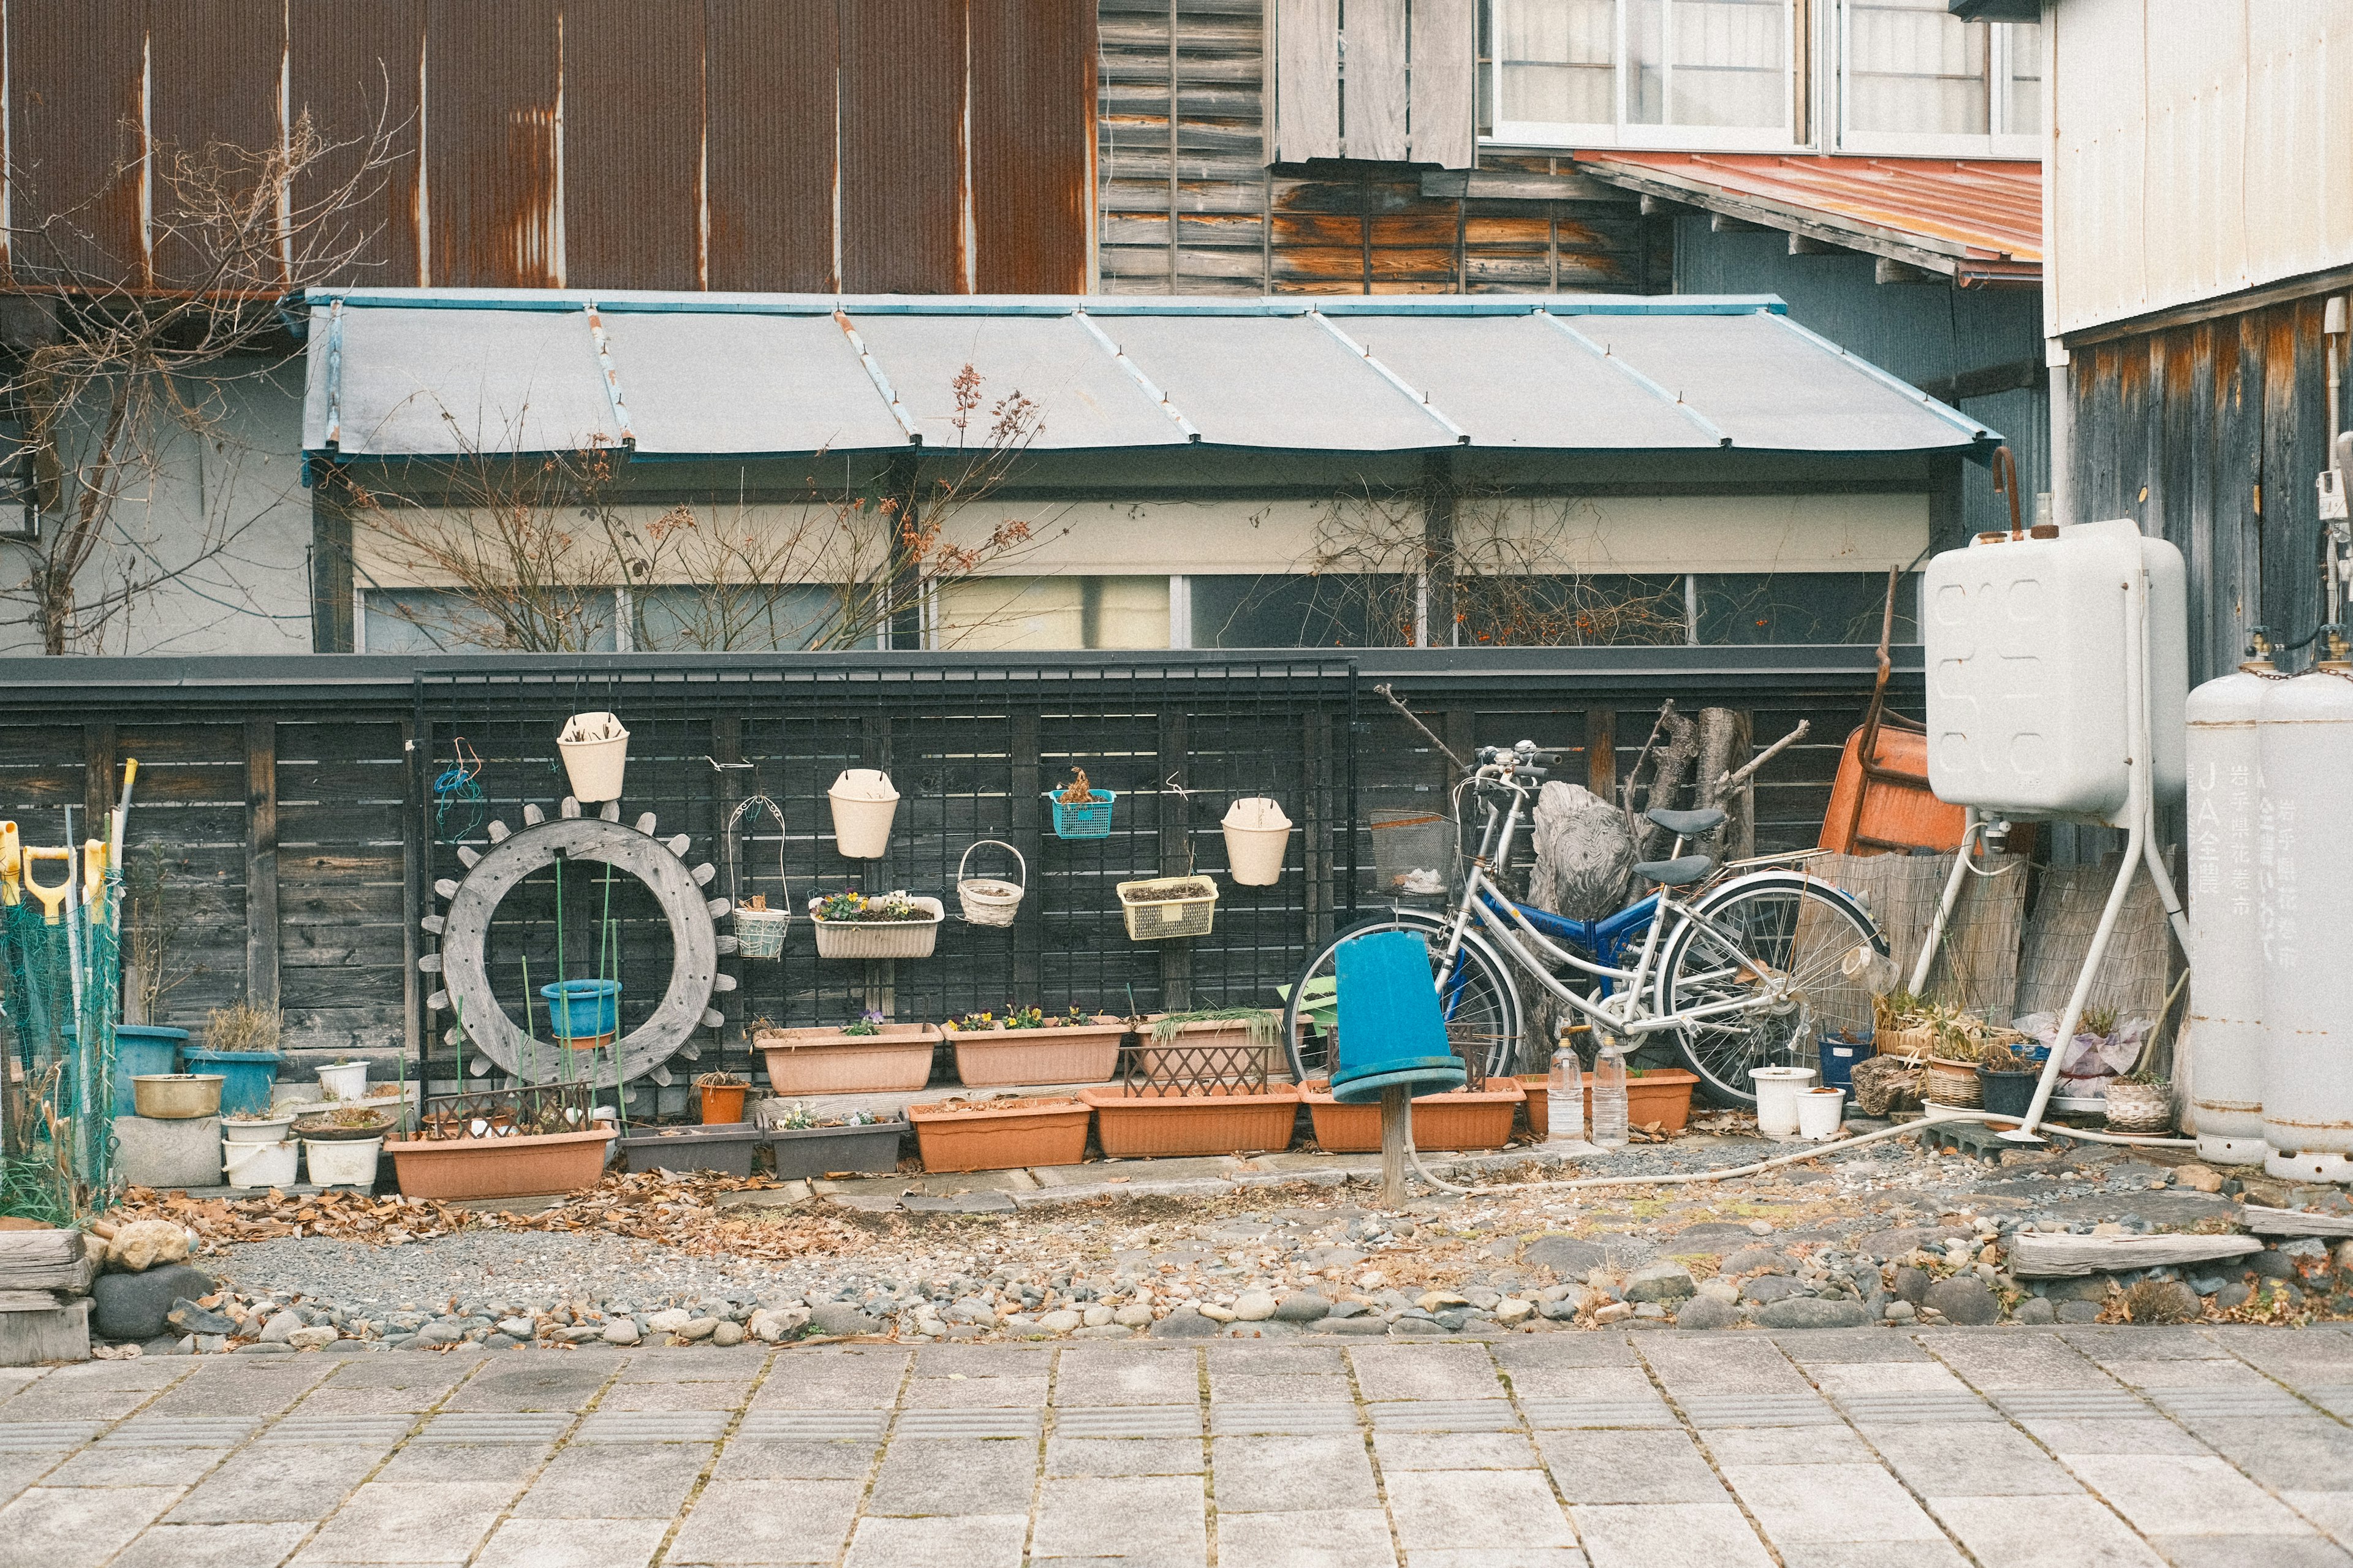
[[2138, 819]]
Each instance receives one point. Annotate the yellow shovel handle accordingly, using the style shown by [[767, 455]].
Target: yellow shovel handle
[[53, 900], [12, 865]]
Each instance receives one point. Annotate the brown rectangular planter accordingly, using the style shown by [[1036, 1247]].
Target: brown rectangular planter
[[1471, 1119], [528, 1165], [1074, 1053], [1210, 1120], [1000, 1137], [1537, 1088], [1161, 1063], [827, 1061], [1660, 1095]]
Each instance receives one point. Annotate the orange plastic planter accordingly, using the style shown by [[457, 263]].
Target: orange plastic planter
[[722, 1106], [1001, 1137], [1480, 1120], [520, 1167], [827, 1061], [1537, 1087], [1211, 1119], [1074, 1053], [1662, 1095]]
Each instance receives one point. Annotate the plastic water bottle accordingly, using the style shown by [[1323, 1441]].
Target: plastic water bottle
[[1608, 1099], [1564, 1096]]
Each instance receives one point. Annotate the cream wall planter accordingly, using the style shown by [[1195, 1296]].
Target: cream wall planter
[[596, 749], [897, 1057], [1068, 1053], [1161, 909], [882, 939], [1257, 835], [863, 803]]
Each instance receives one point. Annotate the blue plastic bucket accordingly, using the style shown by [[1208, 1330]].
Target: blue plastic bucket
[[245, 1077], [583, 1009], [1838, 1058], [141, 1049]]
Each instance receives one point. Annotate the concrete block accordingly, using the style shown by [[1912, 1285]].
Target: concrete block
[[57, 1334], [155, 1153]]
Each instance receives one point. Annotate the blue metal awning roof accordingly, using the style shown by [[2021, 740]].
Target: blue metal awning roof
[[454, 373]]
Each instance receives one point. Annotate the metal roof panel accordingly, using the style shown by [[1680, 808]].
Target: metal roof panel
[[1285, 381], [714, 384], [1084, 399], [417, 382]]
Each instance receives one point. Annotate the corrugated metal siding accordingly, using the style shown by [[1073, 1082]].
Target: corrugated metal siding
[[633, 118], [491, 145], [903, 146], [2212, 435], [769, 84], [1029, 144], [213, 76], [2201, 150], [349, 66], [75, 77]]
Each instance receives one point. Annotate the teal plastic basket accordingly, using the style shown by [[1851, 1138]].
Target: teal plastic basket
[[1091, 820]]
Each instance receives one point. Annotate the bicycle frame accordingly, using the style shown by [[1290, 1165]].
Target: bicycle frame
[[1537, 940]]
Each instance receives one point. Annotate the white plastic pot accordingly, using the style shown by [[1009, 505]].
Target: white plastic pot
[[269, 1130], [596, 749], [1256, 836], [343, 1080], [863, 804], [259, 1164], [343, 1162], [1819, 1113], [1777, 1092]]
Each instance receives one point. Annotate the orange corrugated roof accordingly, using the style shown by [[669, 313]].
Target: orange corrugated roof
[[1983, 215]]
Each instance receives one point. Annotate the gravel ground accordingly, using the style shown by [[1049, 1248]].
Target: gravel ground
[[478, 1264]]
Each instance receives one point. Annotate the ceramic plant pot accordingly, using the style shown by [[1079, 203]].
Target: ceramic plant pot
[[1776, 1098], [722, 1103], [1819, 1113]]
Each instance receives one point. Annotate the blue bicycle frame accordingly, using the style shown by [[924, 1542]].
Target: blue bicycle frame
[[1604, 941]]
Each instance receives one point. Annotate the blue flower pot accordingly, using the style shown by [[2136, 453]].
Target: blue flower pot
[[583, 1009]]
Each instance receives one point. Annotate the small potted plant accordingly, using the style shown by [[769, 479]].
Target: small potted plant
[[852, 924], [1000, 1134], [1030, 1045], [505, 1143], [2141, 1101], [866, 1056], [2006, 1080], [722, 1097], [1143, 1120]]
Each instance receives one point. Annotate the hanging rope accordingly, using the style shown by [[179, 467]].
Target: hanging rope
[[457, 794]]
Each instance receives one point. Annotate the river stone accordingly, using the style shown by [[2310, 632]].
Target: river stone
[[1813, 1312], [1185, 1324], [1912, 1283], [1255, 1307], [621, 1331], [1061, 1321], [840, 1318], [1706, 1312], [1767, 1289], [1306, 1307], [1965, 1300], [1417, 1326], [137, 1306], [1134, 1315], [2036, 1311], [670, 1320], [728, 1332], [1751, 1260], [1565, 1256], [1660, 1282], [317, 1336]]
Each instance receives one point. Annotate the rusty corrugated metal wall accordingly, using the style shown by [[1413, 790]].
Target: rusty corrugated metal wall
[[2212, 434], [739, 144]]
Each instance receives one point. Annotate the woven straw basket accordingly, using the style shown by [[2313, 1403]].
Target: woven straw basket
[[987, 901]]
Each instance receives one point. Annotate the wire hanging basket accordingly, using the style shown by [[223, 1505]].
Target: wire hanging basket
[[985, 900], [759, 930]]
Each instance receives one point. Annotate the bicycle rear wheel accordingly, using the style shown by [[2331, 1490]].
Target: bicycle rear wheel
[[1477, 999], [1778, 942]]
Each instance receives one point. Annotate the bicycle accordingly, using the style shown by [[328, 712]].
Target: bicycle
[[1737, 971]]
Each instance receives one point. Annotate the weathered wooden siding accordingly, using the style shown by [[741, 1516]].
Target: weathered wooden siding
[[1190, 205], [2212, 434]]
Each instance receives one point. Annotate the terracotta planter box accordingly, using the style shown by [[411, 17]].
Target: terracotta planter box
[[1480, 1120], [871, 1149], [1212, 1119], [1156, 1061], [1001, 1137], [827, 1061], [1537, 1088], [1075, 1053], [1662, 1095], [520, 1167]]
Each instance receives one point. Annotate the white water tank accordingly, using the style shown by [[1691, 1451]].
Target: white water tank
[[2026, 647], [2223, 1041], [2303, 861]]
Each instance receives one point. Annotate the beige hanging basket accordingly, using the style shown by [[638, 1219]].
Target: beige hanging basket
[[985, 900]]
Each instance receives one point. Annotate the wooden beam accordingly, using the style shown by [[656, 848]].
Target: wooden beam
[[1665, 206], [2296, 1222], [1722, 223], [2056, 1256], [98, 791], [1601, 752], [261, 861], [1807, 245], [1888, 270]]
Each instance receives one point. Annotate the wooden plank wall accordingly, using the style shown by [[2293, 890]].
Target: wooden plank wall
[[1187, 204]]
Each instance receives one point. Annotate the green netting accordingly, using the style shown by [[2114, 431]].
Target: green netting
[[59, 994]]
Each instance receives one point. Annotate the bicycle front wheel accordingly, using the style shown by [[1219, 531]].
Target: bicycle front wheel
[[1776, 944], [1475, 995]]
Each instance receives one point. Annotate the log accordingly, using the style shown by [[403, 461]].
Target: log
[[2296, 1222], [2040, 1257]]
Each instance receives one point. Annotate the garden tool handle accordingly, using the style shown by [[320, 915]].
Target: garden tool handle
[[93, 872], [52, 899], [12, 865]]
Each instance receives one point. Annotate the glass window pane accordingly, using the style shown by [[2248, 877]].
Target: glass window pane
[[2024, 115], [1595, 610], [743, 618], [1335, 610], [442, 620], [1805, 607], [1708, 63], [1555, 61], [1044, 614], [1914, 68]]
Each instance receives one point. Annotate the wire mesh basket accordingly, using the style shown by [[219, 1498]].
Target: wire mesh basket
[[1415, 853], [1161, 909], [760, 930], [1090, 820]]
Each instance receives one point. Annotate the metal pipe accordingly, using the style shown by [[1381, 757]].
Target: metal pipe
[[2332, 339]]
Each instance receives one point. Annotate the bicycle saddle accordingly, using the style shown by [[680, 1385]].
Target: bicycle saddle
[[1678, 872], [1687, 823]]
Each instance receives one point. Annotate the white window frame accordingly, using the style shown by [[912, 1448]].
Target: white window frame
[[2000, 142], [1653, 137]]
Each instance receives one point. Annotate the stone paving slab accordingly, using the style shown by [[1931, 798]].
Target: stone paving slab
[[2190, 1448]]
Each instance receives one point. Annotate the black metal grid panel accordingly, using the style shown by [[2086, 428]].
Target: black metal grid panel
[[972, 755]]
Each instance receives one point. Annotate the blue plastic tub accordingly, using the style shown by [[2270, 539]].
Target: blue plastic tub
[[1839, 1057], [245, 1077], [1091, 820], [583, 1009], [142, 1049]]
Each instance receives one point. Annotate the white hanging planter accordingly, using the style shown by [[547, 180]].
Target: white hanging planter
[[1257, 833], [863, 804], [596, 749]]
